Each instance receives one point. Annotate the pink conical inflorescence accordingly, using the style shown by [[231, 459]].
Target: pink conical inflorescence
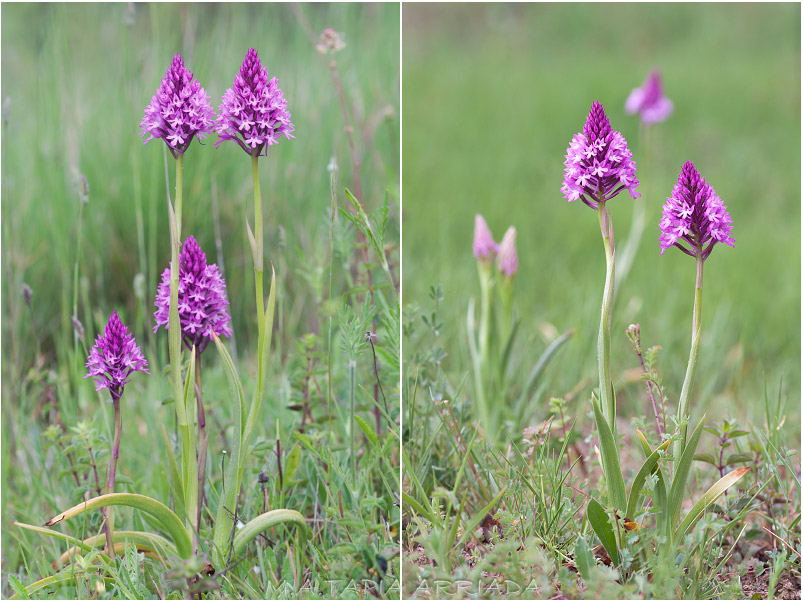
[[484, 245], [507, 260], [598, 164], [649, 100], [694, 217], [179, 111], [202, 301], [114, 357], [253, 111]]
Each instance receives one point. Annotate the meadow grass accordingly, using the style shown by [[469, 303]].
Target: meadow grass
[[497, 92], [78, 78]]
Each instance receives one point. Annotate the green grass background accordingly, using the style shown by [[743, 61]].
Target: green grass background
[[76, 79], [492, 95]]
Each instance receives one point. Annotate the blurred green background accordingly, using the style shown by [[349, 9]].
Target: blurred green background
[[492, 97], [77, 79]]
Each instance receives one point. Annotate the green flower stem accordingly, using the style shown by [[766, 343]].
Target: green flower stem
[[188, 460], [688, 382], [257, 249], [485, 310], [481, 371], [203, 439], [112, 473], [607, 399]]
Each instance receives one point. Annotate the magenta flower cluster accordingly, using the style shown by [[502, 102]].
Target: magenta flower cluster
[[694, 217], [114, 357], [202, 301], [649, 100], [598, 164], [179, 111], [254, 111]]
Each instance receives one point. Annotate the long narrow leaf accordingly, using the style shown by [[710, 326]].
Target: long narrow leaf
[[479, 517], [708, 498], [144, 542], [681, 475], [641, 477], [176, 486], [598, 519], [162, 513], [660, 485], [610, 460], [266, 521]]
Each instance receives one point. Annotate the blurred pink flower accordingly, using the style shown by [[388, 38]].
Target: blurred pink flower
[[649, 100]]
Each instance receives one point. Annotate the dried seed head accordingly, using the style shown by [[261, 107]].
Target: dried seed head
[[330, 41]]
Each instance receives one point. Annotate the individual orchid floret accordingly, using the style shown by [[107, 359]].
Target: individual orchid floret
[[484, 246], [202, 301], [598, 163], [649, 100], [694, 217], [179, 111], [254, 111], [506, 259], [114, 357]]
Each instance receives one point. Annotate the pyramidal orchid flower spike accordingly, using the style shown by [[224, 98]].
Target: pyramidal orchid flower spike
[[694, 217], [649, 100], [253, 111], [598, 163], [202, 300], [179, 111], [114, 357], [694, 220], [484, 246]]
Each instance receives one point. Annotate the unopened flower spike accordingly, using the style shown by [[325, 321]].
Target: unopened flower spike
[[694, 217], [484, 246], [114, 357], [507, 260], [179, 111], [598, 164], [253, 111], [649, 100], [202, 301]]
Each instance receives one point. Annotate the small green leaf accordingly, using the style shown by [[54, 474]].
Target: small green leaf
[[18, 587], [366, 428], [709, 458], [736, 458]]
